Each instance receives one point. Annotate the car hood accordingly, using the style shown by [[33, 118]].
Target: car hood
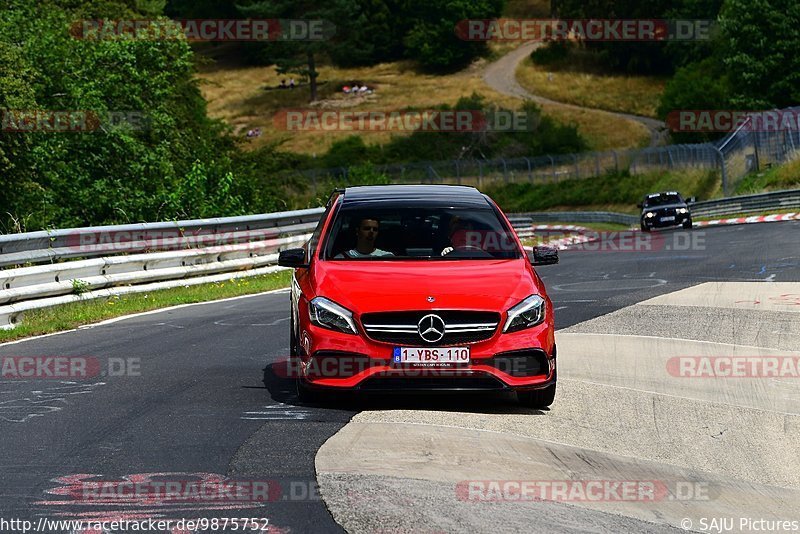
[[396, 285], [665, 206]]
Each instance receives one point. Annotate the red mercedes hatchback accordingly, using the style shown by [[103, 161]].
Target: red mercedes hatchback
[[420, 288]]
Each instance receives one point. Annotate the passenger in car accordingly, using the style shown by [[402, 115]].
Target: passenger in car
[[366, 234]]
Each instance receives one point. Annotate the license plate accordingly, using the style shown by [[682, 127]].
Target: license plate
[[438, 355], [665, 219]]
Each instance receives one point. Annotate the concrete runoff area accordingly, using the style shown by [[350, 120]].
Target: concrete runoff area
[[766, 296], [623, 412], [769, 330], [456, 457], [698, 370]]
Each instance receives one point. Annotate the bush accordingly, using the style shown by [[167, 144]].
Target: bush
[[551, 54]]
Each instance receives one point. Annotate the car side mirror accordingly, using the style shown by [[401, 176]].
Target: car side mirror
[[640, 205], [543, 256], [293, 257], [691, 200]]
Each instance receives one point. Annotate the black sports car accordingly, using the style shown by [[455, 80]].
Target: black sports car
[[660, 210]]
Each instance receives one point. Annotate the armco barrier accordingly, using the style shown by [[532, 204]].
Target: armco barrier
[[149, 256], [129, 258], [773, 201], [579, 217], [75, 242]]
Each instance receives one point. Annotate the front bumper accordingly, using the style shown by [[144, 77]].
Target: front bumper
[[656, 222], [522, 360]]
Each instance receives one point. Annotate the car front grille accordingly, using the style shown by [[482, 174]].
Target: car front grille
[[402, 328]]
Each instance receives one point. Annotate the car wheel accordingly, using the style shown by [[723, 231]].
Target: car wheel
[[305, 394], [687, 224], [294, 349], [540, 398]]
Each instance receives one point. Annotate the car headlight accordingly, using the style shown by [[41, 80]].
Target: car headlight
[[682, 210], [650, 215], [526, 314], [328, 314]]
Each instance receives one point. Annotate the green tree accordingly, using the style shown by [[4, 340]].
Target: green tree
[[431, 38], [300, 56], [119, 172], [759, 45]]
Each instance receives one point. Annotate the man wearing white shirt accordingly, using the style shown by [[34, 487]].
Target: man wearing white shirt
[[366, 234]]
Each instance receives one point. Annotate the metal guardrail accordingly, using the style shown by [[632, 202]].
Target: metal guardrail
[[101, 240], [140, 257], [772, 201], [144, 257], [579, 217], [775, 200]]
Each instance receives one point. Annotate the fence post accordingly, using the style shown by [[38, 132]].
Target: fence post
[[755, 150], [724, 171], [458, 172], [553, 166], [530, 172], [505, 170], [616, 161], [577, 167], [597, 164]]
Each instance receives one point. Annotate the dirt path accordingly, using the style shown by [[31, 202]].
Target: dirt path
[[501, 76]]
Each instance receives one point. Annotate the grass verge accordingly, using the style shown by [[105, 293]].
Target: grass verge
[[611, 192], [70, 316], [595, 227], [744, 214], [573, 84], [545, 237], [786, 176], [247, 98]]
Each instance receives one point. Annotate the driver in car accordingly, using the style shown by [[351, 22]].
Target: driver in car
[[458, 233], [366, 234]]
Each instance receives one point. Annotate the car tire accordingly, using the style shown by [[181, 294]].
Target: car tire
[[687, 224], [645, 228], [305, 394], [294, 349], [539, 398]]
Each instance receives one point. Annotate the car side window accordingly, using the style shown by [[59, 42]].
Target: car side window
[[313, 243]]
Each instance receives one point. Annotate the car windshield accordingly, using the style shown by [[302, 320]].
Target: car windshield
[[662, 200], [419, 233]]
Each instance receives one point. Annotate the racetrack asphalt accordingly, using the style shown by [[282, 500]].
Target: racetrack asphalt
[[203, 397]]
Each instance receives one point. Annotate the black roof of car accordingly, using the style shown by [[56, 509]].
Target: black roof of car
[[662, 194], [454, 195]]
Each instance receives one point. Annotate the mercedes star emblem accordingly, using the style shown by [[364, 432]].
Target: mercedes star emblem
[[431, 299], [431, 328]]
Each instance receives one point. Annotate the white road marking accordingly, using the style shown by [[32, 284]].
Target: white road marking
[[40, 402], [142, 314], [278, 412]]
